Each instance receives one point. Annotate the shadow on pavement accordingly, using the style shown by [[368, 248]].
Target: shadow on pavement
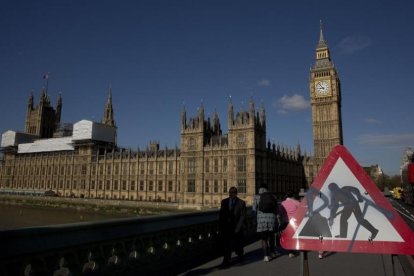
[[248, 258]]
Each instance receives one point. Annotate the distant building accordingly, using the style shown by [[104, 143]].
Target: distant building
[[89, 164], [84, 160], [375, 172], [407, 158]]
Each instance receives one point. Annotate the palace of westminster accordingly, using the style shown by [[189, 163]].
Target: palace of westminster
[[83, 159]]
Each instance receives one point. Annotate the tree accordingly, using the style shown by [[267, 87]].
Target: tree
[[394, 181], [385, 180]]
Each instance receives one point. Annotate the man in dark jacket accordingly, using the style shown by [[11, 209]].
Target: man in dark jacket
[[232, 221]]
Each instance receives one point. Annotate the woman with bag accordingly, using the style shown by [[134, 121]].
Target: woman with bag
[[265, 206]]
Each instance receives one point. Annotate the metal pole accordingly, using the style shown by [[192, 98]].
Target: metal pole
[[393, 264], [304, 265]]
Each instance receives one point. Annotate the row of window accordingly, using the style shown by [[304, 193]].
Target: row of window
[[323, 54], [240, 165], [280, 167], [322, 74], [215, 188], [116, 168], [241, 141], [82, 169], [152, 186], [101, 185]]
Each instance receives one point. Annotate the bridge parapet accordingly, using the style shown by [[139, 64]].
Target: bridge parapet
[[145, 245]]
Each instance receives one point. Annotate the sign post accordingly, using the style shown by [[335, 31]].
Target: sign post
[[304, 267]]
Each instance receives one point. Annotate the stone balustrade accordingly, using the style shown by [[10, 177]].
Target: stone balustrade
[[133, 246]]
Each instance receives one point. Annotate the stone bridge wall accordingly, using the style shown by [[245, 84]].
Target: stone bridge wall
[[132, 246]]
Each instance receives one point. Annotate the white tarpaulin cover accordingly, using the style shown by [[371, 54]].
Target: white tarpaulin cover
[[82, 130], [12, 138], [88, 130], [43, 145]]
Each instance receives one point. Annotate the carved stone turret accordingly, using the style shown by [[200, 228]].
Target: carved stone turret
[[42, 120], [108, 118]]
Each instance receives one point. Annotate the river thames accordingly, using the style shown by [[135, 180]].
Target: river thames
[[15, 216]]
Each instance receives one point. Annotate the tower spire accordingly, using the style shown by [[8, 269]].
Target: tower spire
[[30, 103], [183, 118], [58, 110], [323, 56], [322, 42], [230, 113], [108, 118], [321, 31]]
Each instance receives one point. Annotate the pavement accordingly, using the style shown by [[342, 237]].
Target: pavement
[[333, 264]]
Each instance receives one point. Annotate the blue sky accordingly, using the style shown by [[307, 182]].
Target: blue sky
[[159, 55]]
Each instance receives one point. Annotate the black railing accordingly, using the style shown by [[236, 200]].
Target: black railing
[[133, 246]]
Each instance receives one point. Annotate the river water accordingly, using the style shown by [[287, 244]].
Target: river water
[[14, 216]]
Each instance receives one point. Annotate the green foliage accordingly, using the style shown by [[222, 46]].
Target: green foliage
[[387, 181]]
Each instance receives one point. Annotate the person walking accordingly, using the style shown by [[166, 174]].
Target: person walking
[[232, 217], [265, 207], [291, 205]]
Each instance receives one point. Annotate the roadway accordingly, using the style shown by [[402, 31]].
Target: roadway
[[405, 211], [334, 264]]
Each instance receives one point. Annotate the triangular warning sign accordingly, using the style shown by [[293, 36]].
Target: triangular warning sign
[[345, 211]]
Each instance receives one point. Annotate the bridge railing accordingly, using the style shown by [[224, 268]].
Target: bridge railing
[[132, 246]]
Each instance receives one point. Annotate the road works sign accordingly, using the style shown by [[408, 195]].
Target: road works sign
[[345, 211]]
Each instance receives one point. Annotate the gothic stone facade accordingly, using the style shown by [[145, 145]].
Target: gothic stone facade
[[199, 174]]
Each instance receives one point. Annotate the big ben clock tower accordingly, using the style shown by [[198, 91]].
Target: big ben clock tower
[[325, 94]]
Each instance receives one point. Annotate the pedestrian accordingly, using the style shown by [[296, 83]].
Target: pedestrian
[[291, 205], [321, 254], [232, 219], [265, 207]]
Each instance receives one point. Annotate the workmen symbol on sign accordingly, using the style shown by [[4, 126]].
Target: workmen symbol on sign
[[323, 210], [345, 197]]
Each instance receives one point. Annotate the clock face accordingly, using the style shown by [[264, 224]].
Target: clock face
[[322, 87]]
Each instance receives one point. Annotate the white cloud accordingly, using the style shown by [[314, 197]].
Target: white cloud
[[291, 103], [352, 44], [399, 139], [372, 121], [264, 83]]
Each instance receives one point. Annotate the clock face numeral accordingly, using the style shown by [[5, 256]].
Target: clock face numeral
[[322, 88]]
